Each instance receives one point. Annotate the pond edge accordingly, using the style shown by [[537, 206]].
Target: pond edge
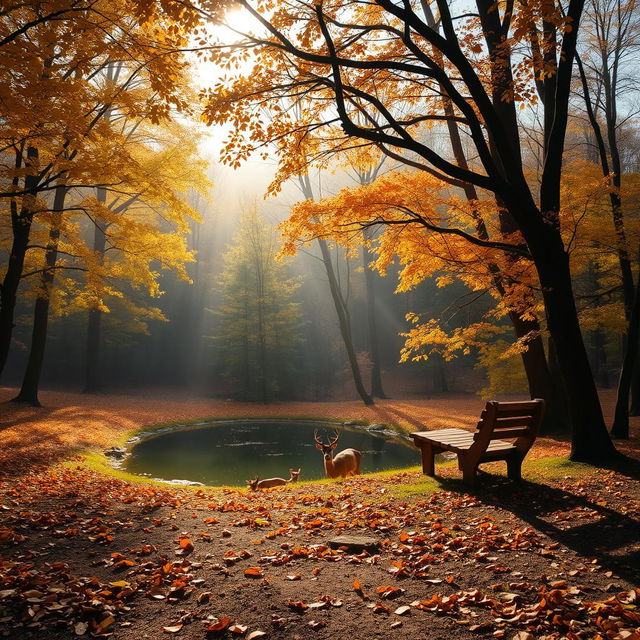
[[116, 456]]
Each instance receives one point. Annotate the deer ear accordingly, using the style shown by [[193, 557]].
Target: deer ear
[[319, 446], [334, 445]]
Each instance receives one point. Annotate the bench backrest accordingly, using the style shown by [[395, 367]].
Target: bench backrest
[[508, 420]]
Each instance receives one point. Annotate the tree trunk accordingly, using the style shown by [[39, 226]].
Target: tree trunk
[[539, 378], [620, 427], [374, 349], [21, 228], [31, 381], [94, 325], [343, 321], [590, 440], [540, 382]]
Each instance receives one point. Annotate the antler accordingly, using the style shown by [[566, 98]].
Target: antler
[[335, 438], [315, 437]]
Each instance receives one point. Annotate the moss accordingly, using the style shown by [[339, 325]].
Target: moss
[[98, 462]]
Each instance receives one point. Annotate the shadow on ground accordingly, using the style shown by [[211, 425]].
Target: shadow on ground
[[578, 517]]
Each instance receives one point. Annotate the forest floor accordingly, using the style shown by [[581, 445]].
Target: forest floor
[[84, 553]]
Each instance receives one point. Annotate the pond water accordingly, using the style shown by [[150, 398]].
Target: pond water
[[231, 453]]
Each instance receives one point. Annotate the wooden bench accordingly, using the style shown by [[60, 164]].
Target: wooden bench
[[506, 431]]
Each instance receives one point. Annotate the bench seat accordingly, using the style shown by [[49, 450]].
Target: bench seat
[[458, 440], [518, 421]]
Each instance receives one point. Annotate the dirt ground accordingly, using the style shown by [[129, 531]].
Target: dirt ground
[[86, 554]]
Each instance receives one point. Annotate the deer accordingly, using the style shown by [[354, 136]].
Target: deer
[[346, 463], [267, 483]]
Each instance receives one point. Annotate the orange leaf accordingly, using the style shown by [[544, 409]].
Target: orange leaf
[[221, 625], [253, 572]]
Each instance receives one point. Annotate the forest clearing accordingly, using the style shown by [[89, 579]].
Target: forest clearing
[[557, 553], [320, 319]]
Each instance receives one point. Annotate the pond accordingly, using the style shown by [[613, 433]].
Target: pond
[[231, 453]]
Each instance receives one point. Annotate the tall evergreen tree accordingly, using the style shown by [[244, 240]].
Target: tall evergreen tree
[[259, 321]]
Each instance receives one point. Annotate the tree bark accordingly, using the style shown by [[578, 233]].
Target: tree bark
[[31, 381], [21, 228]]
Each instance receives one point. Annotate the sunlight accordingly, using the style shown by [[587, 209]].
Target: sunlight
[[240, 21]]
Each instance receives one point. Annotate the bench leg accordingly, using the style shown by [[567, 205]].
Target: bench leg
[[468, 468], [468, 475], [428, 462], [514, 468]]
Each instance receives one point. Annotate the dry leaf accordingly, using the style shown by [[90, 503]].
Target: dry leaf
[[173, 628]]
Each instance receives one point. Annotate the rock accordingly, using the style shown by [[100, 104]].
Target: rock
[[376, 427], [115, 452], [351, 423], [355, 543]]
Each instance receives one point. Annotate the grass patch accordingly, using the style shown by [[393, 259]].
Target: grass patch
[[95, 461], [556, 468], [415, 490]]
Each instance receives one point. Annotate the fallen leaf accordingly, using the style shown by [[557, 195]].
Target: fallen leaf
[[256, 634], [186, 547], [400, 611], [238, 629], [173, 628], [297, 605], [222, 623], [389, 592], [253, 572], [123, 584], [378, 607]]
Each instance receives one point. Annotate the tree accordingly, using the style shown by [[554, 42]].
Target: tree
[[613, 27], [340, 304], [382, 64], [51, 55], [143, 226], [259, 322]]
